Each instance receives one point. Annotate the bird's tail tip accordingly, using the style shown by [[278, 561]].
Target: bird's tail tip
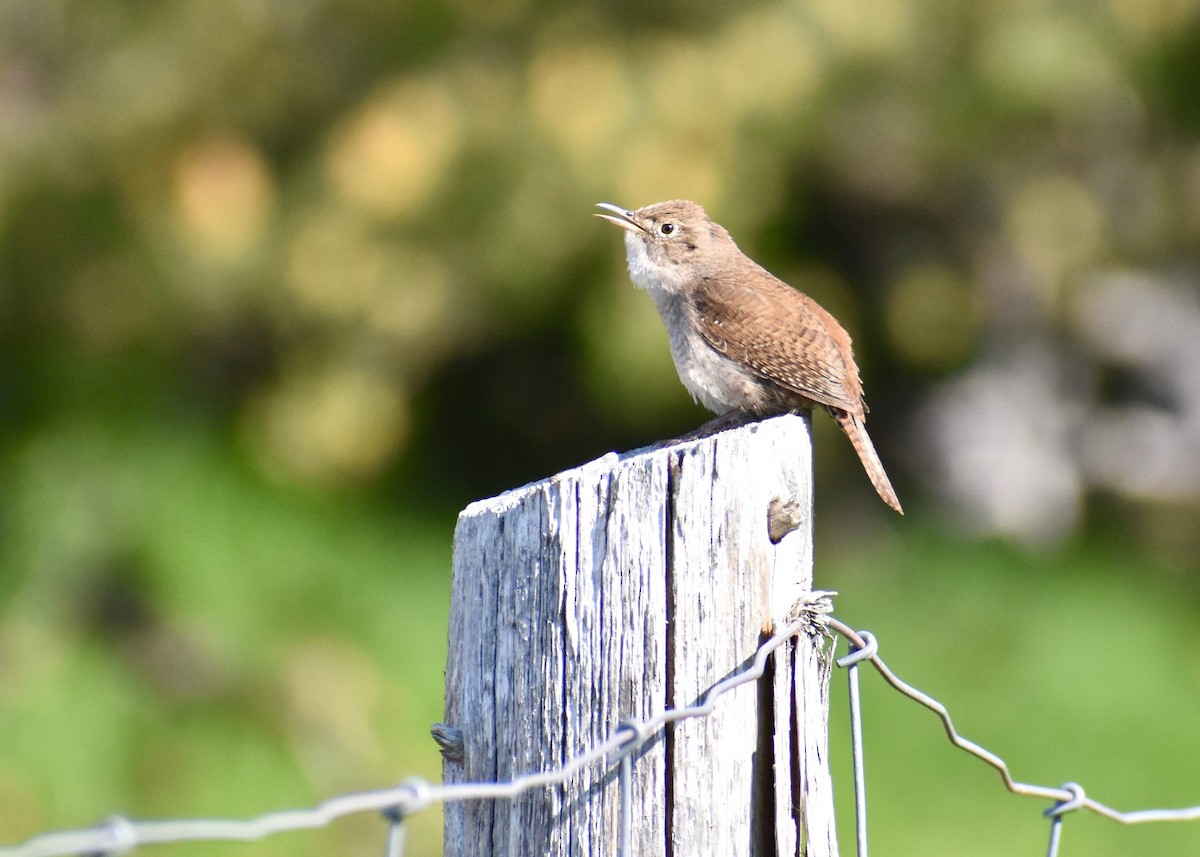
[[861, 441]]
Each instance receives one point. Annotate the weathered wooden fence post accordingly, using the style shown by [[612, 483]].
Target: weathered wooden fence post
[[620, 588]]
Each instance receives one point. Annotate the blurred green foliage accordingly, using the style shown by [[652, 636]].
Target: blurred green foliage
[[285, 284]]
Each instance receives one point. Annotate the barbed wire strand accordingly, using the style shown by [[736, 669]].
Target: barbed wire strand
[[396, 833], [1068, 799], [850, 663], [1059, 811], [1055, 836], [626, 805], [119, 834]]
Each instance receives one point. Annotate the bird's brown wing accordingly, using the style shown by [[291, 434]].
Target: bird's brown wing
[[807, 353]]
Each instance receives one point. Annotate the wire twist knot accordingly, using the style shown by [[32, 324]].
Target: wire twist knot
[[122, 833], [865, 652], [1074, 802]]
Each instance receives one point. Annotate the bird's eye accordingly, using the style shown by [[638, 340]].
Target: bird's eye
[[666, 228]]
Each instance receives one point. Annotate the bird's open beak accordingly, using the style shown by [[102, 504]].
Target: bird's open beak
[[623, 218]]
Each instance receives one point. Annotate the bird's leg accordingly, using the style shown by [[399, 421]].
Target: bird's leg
[[728, 420]]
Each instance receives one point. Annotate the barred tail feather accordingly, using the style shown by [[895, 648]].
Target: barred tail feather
[[856, 430]]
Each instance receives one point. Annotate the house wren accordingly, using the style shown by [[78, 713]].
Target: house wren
[[743, 340]]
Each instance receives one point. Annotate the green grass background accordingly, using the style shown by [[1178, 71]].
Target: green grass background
[[297, 650]]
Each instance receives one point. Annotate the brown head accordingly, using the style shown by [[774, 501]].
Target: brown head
[[669, 243]]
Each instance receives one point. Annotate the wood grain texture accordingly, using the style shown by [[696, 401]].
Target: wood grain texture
[[615, 590]]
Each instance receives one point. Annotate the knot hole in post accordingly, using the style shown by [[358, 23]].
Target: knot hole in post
[[451, 742], [783, 516]]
